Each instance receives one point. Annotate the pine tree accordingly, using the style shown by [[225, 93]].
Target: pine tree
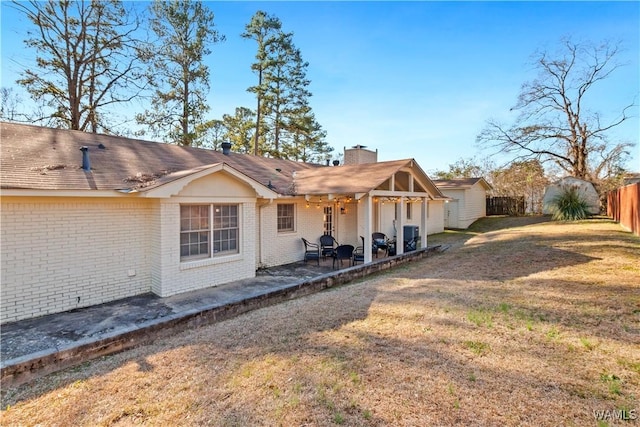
[[185, 29]]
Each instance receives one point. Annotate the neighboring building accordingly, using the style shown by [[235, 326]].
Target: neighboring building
[[585, 188], [89, 218], [468, 202], [631, 178]]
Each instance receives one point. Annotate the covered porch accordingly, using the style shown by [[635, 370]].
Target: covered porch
[[391, 198]]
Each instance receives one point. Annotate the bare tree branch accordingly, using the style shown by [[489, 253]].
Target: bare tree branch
[[554, 123]]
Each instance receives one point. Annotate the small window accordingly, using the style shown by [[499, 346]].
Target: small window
[[286, 217], [409, 210], [225, 229], [194, 231]]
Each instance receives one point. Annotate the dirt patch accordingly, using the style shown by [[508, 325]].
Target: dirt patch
[[535, 324]]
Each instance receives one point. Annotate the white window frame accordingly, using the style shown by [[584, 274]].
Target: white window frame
[[230, 224], [281, 220]]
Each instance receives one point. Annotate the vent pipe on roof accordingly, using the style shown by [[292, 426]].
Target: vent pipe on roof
[[226, 148], [86, 164]]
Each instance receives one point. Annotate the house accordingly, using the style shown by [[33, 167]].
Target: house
[[585, 189], [468, 202], [89, 218]]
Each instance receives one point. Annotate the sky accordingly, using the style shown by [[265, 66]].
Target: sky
[[413, 79]]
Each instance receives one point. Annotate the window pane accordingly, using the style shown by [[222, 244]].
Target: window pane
[[194, 227], [285, 217], [225, 228]]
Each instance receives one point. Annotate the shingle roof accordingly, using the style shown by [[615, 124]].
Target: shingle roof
[[459, 183], [33, 157], [347, 179]]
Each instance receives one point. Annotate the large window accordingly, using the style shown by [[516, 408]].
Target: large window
[[197, 229], [286, 214]]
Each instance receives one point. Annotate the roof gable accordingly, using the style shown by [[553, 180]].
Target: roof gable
[[461, 183]]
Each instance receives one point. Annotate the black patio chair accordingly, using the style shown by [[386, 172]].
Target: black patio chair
[[358, 253], [380, 242], [327, 245], [412, 244], [341, 253], [311, 251]]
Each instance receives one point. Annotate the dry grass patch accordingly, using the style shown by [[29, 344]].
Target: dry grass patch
[[533, 324]]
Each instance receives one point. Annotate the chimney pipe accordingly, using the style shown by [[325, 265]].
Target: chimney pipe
[[226, 148], [86, 164]]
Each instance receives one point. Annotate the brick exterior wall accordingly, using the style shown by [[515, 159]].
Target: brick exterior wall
[[279, 248], [172, 276], [58, 254]]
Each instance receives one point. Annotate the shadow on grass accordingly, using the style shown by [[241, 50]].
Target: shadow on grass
[[471, 278]]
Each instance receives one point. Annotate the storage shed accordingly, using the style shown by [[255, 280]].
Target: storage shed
[[468, 202]]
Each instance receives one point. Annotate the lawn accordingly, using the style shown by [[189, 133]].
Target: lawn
[[520, 322]]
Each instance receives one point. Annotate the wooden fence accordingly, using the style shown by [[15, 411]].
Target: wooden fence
[[623, 205], [512, 206]]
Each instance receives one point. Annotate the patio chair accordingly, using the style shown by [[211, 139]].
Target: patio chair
[[341, 253], [412, 244], [327, 245], [311, 251], [380, 242], [358, 253]]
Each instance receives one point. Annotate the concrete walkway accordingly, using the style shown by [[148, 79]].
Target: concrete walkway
[[34, 347]]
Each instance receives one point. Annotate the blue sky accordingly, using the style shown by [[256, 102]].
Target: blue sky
[[411, 79]]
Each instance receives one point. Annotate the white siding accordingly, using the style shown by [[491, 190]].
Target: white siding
[[475, 206], [63, 253], [472, 204], [435, 217]]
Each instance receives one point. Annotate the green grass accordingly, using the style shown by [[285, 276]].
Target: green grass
[[613, 382], [480, 318], [477, 347]]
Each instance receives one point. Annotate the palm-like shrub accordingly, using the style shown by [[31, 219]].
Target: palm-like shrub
[[569, 206]]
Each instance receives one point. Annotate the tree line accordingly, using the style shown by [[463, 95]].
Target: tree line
[[90, 59], [93, 56]]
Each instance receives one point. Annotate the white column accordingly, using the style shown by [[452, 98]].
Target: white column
[[400, 227], [367, 205], [423, 221]]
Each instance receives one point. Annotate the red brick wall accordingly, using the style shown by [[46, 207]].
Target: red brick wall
[[623, 205]]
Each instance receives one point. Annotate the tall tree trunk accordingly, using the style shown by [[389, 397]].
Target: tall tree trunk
[[257, 135]]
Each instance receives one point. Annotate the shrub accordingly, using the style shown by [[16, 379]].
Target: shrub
[[569, 206]]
